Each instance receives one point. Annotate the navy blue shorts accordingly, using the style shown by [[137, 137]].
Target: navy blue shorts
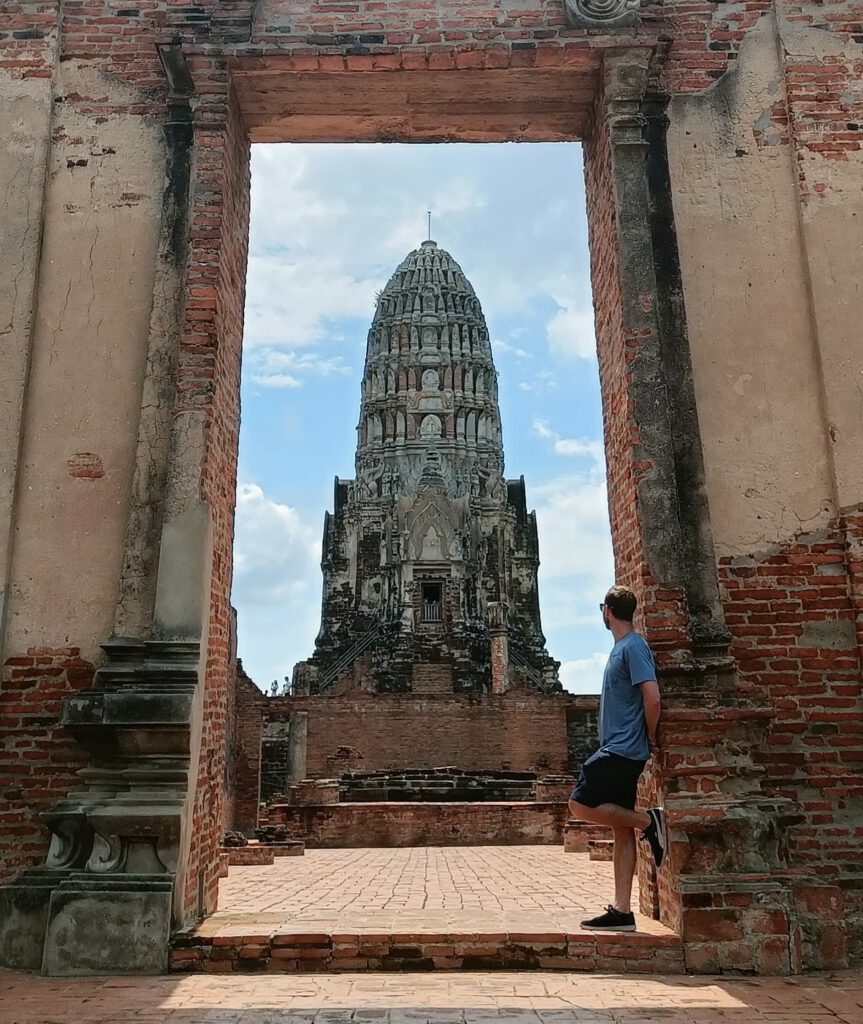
[[611, 779]]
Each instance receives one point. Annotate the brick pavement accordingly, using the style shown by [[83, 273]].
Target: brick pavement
[[453, 908], [468, 998], [424, 888]]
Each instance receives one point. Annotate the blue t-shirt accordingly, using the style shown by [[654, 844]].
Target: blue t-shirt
[[622, 726]]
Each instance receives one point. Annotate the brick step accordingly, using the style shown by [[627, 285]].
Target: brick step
[[252, 947]]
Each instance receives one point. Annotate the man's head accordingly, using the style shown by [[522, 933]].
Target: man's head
[[619, 604]]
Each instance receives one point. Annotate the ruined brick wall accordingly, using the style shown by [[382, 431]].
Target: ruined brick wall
[[80, 191], [795, 616], [275, 758], [804, 135], [209, 379], [342, 826], [38, 758], [245, 726], [403, 731], [582, 734]]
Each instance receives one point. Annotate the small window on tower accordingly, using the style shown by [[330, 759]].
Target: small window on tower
[[432, 597]]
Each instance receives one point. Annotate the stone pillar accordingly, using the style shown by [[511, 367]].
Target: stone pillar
[[499, 648], [725, 832], [499, 662], [298, 737]]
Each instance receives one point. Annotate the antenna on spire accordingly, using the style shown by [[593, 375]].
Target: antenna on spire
[[429, 234]]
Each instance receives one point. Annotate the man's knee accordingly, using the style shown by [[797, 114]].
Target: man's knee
[[580, 811]]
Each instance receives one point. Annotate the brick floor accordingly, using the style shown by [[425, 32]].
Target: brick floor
[[425, 888], [454, 908], [468, 998]]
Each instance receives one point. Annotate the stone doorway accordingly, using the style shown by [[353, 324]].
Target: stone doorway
[[134, 689]]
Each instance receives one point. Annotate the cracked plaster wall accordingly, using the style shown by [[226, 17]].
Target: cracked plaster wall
[[24, 125], [90, 316], [754, 335]]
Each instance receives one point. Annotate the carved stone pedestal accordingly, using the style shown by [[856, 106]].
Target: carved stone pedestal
[[103, 901], [108, 924]]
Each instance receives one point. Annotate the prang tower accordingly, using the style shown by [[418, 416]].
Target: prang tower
[[430, 555]]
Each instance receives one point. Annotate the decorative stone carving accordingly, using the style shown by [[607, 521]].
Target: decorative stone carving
[[609, 14], [430, 427]]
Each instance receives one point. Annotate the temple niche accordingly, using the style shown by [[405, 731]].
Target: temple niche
[[430, 555]]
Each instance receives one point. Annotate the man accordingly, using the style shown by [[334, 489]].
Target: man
[[608, 785]]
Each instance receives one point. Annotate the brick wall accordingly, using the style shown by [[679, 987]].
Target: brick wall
[[406, 731], [38, 758], [243, 753], [777, 611], [209, 380], [582, 734], [795, 617], [484, 824], [275, 758]]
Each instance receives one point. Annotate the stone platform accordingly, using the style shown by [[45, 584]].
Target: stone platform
[[422, 908], [436, 785], [402, 824]]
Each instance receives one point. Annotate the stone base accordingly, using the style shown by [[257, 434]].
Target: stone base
[[600, 849], [577, 834], [108, 924], [555, 787], [248, 855], [24, 918], [296, 848], [313, 792]]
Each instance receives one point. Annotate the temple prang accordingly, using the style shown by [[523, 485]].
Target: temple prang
[[430, 553]]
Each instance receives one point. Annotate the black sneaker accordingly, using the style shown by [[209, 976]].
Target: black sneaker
[[656, 834], [611, 921]]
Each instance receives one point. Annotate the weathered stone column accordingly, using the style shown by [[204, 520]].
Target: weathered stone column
[[499, 648], [298, 738], [640, 309]]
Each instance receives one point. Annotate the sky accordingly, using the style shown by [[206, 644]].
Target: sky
[[329, 225]]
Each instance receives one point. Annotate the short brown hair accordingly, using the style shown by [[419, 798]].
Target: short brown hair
[[621, 602]]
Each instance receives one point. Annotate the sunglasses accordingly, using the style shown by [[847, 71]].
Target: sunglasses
[[602, 606]]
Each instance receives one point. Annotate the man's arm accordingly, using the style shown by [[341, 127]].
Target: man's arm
[[652, 706]]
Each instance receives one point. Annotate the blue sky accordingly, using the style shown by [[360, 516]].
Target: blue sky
[[330, 223]]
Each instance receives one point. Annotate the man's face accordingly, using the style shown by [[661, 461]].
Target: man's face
[[604, 609]]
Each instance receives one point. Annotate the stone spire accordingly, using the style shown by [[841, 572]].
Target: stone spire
[[429, 388], [430, 557]]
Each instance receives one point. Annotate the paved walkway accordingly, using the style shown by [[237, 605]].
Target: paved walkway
[[485, 888], [501, 997]]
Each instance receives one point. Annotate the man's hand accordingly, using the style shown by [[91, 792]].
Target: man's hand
[[653, 743]]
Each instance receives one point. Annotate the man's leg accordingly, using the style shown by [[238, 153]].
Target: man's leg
[[610, 815], [624, 868]]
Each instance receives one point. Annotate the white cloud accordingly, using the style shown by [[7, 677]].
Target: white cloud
[[503, 347], [274, 550], [576, 559], [571, 331], [584, 675], [574, 535], [273, 369], [569, 446], [277, 584], [540, 383]]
